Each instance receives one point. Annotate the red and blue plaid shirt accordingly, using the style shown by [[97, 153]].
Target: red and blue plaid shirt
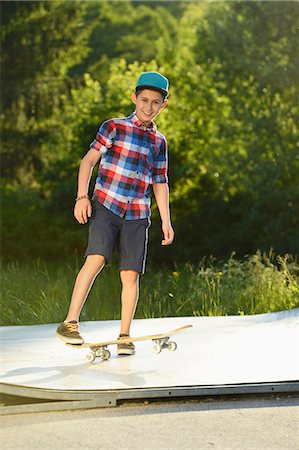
[[133, 156]]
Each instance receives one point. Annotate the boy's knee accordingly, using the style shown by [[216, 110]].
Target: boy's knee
[[97, 262], [129, 276]]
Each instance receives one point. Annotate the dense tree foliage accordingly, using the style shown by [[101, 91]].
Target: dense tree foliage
[[231, 121]]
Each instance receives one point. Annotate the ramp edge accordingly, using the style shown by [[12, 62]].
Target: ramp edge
[[70, 400]]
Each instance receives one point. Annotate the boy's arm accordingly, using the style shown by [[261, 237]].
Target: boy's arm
[[82, 210], [161, 192]]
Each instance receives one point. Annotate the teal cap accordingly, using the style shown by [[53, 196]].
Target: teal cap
[[153, 80]]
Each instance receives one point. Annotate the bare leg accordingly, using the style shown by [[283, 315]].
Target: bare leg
[[129, 298], [84, 281]]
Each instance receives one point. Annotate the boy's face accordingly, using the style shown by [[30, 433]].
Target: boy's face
[[148, 104]]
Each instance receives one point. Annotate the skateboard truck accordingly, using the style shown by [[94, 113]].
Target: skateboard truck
[[98, 352], [159, 344]]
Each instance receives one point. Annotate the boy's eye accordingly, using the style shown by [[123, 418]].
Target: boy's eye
[[144, 100]]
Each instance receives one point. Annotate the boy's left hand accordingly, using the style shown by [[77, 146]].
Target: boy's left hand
[[168, 234]]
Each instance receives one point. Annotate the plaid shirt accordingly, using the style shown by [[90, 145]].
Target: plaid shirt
[[133, 157]]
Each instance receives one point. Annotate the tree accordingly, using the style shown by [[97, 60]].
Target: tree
[[41, 41], [235, 123], [231, 121]]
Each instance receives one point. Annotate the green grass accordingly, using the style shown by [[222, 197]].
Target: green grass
[[39, 292]]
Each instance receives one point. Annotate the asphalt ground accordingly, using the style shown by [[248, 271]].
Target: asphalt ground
[[251, 423]]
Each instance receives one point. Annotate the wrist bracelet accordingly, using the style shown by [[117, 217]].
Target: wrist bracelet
[[82, 196]]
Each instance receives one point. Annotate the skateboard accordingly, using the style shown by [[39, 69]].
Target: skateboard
[[161, 341]]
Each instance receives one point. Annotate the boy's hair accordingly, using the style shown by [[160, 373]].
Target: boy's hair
[[138, 91]]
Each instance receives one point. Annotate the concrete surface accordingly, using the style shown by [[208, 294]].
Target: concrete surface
[[246, 424]]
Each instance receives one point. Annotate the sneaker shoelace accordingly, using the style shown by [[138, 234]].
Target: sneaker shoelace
[[123, 337], [72, 327], [125, 344]]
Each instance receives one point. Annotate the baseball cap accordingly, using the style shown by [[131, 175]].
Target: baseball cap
[[153, 80]]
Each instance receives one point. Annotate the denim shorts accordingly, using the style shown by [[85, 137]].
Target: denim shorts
[[128, 237]]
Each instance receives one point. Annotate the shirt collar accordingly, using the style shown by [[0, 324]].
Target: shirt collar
[[136, 121]]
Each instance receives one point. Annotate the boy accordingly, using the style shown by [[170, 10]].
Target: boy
[[133, 155]]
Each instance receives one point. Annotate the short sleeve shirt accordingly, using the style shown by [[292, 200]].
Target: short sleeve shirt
[[133, 156]]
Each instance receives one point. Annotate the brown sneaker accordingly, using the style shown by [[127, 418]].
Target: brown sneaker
[[69, 332], [125, 348]]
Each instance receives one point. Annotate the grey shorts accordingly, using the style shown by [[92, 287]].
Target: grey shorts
[[129, 237]]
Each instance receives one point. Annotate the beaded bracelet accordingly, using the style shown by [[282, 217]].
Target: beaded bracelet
[[82, 196]]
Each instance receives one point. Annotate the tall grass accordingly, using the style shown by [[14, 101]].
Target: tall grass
[[39, 292]]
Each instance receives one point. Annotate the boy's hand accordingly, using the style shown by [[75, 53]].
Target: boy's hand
[[168, 234], [82, 210]]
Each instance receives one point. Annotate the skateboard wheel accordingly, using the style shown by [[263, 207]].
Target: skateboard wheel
[[90, 357], [157, 349], [106, 354], [171, 346]]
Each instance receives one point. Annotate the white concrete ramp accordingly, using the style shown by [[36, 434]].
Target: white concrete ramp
[[219, 355]]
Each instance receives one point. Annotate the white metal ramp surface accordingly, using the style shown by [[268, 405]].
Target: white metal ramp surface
[[218, 356]]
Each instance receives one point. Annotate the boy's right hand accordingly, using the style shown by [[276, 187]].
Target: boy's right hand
[[83, 210]]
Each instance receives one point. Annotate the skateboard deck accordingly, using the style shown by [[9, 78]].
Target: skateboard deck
[[161, 341]]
